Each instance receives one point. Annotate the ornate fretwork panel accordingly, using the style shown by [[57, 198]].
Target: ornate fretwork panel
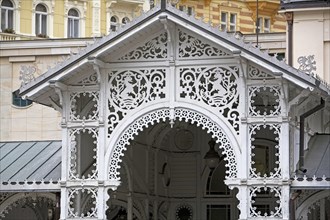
[[129, 89], [83, 157], [265, 201], [151, 50], [190, 46], [264, 147], [256, 73], [82, 203], [180, 114], [84, 106], [264, 100], [215, 87]]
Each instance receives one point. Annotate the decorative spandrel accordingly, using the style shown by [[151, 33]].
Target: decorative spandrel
[[151, 50], [215, 86], [190, 46], [129, 89], [256, 73]]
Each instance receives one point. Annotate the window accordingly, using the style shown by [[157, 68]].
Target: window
[[263, 25], [18, 101], [7, 15], [267, 25], [73, 23], [232, 22], [188, 10], [125, 20], [113, 23], [223, 22], [228, 24], [41, 20]]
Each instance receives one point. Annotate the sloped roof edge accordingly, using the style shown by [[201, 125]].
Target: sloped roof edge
[[249, 51]]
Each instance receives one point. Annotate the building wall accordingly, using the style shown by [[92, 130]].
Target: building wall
[[33, 122], [311, 36]]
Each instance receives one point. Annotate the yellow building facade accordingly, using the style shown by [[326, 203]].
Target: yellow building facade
[[24, 19]]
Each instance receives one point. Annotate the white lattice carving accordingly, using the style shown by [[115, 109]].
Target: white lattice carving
[[217, 134], [268, 195], [180, 114], [191, 46], [258, 133], [128, 134], [75, 198], [216, 86], [89, 80], [75, 146], [153, 49], [32, 199], [264, 100], [130, 89], [256, 73], [84, 106]]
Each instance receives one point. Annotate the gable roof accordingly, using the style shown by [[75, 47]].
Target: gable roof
[[155, 18]]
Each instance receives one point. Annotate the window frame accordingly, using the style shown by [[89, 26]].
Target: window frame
[[6, 10], [39, 16], [113, 24], [73, 23], [227, 24], [18, 102]]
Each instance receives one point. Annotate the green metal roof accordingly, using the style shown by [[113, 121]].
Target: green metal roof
[[30, 161]]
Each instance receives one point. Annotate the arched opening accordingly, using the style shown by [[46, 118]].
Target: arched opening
[[164, 175]]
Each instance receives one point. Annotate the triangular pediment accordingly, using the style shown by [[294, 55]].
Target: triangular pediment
[[165, 34]]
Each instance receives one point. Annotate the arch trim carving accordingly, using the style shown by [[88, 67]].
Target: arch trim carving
[[185, 112]]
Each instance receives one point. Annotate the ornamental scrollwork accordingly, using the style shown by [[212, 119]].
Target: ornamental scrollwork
[[129, 89], [180, 114], [215, 86], [256, 73], [153, 49], [264, 100], [83, 139], [264, 155], [84, 106], [270, 195], [75, 198], [190, 46], [307, 64], [27, 74]]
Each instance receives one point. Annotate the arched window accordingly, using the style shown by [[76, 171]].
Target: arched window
[[125, 20], [73, 23], [7, 15], [113, 23], [18, 101], [41, 20]]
